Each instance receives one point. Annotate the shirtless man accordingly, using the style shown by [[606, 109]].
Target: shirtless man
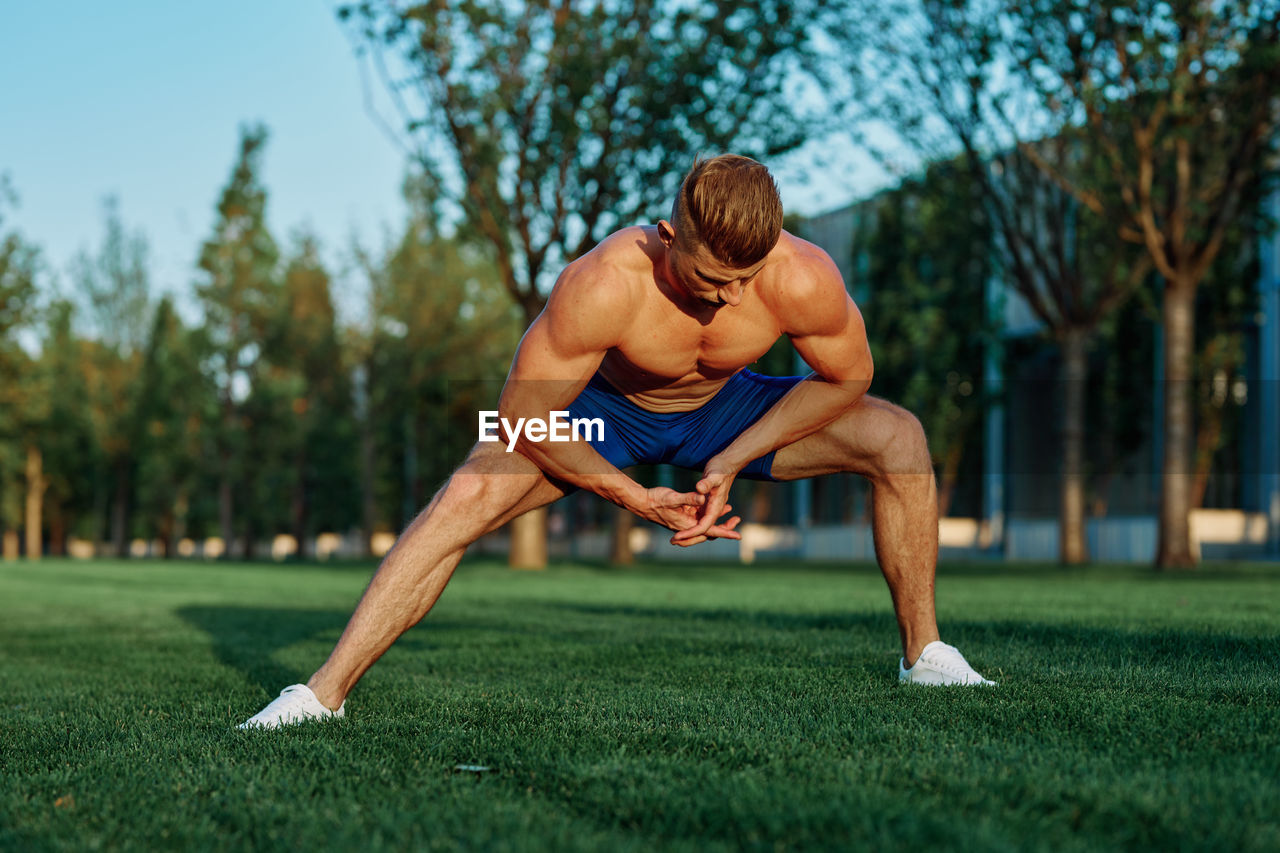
[[651, 331]]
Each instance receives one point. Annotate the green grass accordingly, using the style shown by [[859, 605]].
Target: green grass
[[653, 708]]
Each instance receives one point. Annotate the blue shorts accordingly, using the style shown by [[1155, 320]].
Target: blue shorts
[[633, 435]]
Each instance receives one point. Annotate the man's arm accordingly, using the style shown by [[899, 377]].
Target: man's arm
[[841, 360], [826, 328], [588, 312]]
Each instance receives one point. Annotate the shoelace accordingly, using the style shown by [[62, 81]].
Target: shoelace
[[292, 697], [948, 658]]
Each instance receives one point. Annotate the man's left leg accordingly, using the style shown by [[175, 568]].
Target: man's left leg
[[886, 444]]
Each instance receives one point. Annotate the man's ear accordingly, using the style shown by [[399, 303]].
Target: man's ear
[[666, 233]]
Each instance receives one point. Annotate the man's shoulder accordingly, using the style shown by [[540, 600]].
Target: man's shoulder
[[806, 290], [628, 249], [605, 286], [615, 267], [802, 270]]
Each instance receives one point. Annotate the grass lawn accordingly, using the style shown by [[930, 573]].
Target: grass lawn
[[657, 707]]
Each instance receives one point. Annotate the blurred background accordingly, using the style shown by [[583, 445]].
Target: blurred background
[[260, 265]]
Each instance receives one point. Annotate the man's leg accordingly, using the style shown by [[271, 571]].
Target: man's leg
[[886, 444], [489, 490]]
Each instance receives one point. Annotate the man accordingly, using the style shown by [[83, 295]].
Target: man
[[651, 332]]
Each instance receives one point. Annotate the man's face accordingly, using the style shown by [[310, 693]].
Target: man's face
[[701, 275]]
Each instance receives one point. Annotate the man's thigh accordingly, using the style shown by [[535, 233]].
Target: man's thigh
[[860, 441]]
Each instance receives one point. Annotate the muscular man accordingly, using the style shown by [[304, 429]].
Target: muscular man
[[651, 332]]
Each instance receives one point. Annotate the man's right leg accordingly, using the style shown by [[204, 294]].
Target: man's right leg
[[489, 490]]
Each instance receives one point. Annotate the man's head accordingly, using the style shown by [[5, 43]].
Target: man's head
[[726, 219]]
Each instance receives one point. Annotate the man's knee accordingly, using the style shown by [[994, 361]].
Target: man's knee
[[490, 482], [906, 449], [468, 487]]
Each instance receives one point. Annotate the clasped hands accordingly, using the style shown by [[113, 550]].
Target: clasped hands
[[696, 516]]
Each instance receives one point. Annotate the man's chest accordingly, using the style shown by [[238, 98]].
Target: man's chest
[[668, 343]]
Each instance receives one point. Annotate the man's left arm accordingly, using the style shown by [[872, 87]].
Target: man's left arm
[[826, 328]]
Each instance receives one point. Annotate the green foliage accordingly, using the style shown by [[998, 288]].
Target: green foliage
[[240, 292], [70, 442], [1121, 398], [926, 265], [443, 334], [663, 708], [176, 410], [545, 126], [240, 283], [19, 400], [1226, 309], [19, 268], [1178, 101], [114, 285], [323, 412]]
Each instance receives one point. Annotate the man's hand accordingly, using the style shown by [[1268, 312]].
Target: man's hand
[[682, 512], [713, 488]]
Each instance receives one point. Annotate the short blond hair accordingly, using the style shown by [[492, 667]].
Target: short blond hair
[[730, 204]]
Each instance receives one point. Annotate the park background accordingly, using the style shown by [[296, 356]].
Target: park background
[[260, 271]]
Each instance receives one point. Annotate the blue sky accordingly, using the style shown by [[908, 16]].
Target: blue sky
[[144, 99]]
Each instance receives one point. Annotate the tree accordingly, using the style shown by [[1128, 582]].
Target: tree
[[239, 287], [1179, 100], [71, 452], [544, 125], [442, 335], [305, 354], [1225, 307], [19, 274], [926, 268], [114, 286], [940, 75], [19, 269], [176, 405]]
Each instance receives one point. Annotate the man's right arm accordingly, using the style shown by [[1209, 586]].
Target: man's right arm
[[589, 311]]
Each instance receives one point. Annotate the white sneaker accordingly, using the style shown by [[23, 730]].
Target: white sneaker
[[294, 704], [940, 664]]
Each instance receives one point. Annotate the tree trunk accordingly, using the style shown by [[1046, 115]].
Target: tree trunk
[[409, 471], [529, 540], [1174, 549], [529, 531], [620, 553], [57, 531], [99, 513], [226, 505], [761, 503], [949, 476], [1073, 547], [249, 545], [120, 509], [36, 484], [165, 530], [300, 509], [1208, 440], [10, 544], [367, 509]]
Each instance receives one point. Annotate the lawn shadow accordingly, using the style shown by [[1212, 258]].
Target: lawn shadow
[[1102, 646], [247, 638]]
